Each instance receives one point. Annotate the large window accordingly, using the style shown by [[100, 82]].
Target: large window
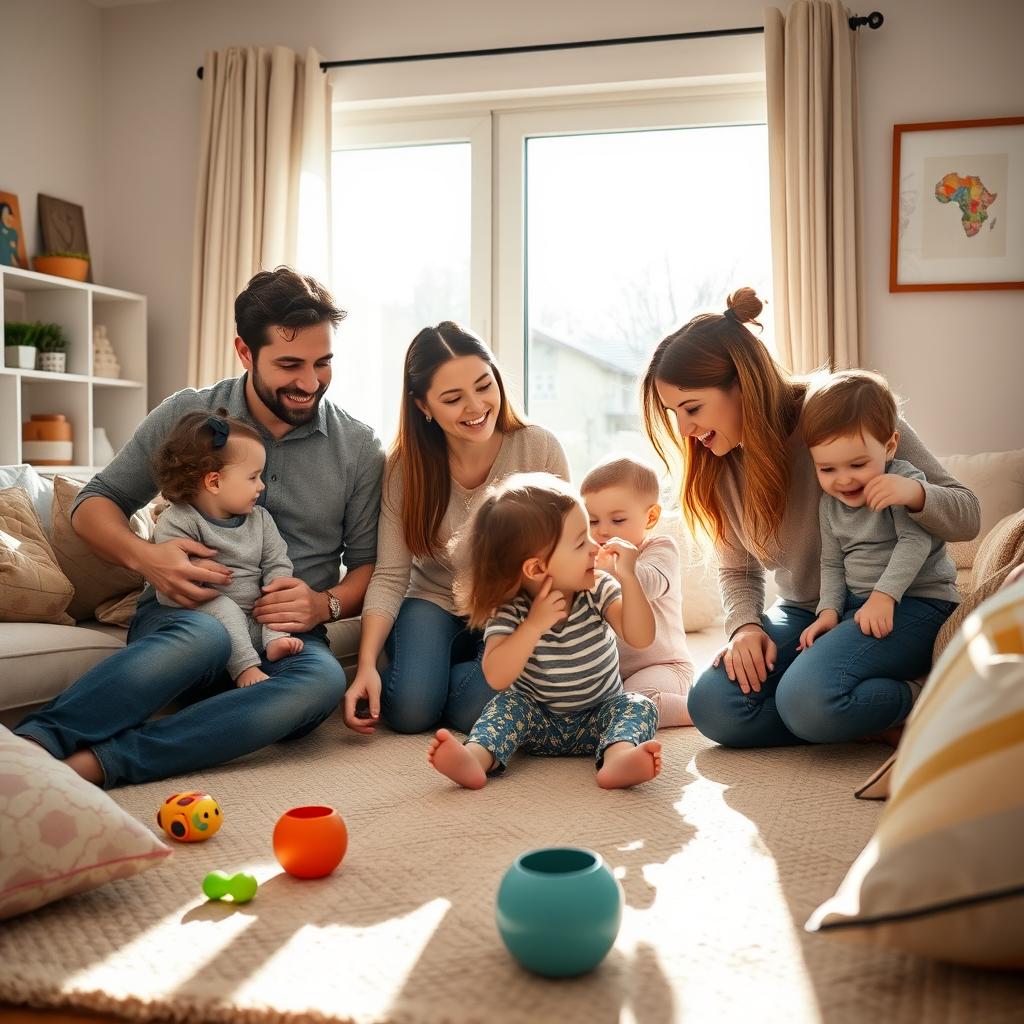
[[627, 235], [573, 238]]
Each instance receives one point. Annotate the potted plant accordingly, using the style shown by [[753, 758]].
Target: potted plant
[[73, 265], [20, 340], [52, 346]]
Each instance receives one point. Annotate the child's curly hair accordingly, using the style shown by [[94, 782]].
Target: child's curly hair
[[188, 452]]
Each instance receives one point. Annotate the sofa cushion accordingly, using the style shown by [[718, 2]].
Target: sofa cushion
[[702, 600], [1001, 551], [39, 489], [61, 835], [997, 478], [95, 580], [32, 587], [943, 875], [38, 660]]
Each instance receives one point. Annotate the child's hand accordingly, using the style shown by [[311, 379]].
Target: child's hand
[[874, 616], [547, 609], [827, 620], [618, 557], [889, 489]]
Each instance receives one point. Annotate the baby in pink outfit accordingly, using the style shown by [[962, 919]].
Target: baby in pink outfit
[[621, 496]]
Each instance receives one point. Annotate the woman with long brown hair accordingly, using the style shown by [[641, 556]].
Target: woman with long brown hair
[[714, 396], [458, 434]]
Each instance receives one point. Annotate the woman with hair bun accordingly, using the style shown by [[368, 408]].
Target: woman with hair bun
[[714, 396]]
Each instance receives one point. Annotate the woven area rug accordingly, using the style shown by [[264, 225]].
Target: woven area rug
[[721, 859]]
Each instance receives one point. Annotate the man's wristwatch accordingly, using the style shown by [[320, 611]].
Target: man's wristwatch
[[334, 607]]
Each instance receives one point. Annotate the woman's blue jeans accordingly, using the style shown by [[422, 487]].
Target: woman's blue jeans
[[176, 653], [847, 685], [434, 673]]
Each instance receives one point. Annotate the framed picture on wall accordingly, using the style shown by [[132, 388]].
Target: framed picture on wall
[[12, 234], [62, 225], [957, 205]]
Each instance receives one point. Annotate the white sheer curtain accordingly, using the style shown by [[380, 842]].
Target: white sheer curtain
[[263, 195], [813, 153]]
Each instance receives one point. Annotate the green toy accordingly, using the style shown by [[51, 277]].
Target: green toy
[[240, 887]]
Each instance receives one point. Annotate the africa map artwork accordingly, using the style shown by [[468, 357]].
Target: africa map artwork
[[971, 197]]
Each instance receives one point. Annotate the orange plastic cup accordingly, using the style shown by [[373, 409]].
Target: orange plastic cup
[[309, 842]]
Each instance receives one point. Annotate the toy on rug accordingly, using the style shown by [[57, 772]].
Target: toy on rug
[[559, 910], [240, 886], [309, 842], [189, 817]]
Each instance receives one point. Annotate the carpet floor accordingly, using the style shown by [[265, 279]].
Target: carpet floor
[[721, 859]]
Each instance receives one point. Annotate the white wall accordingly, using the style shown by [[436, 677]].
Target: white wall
[[50, 117], [957, 357]]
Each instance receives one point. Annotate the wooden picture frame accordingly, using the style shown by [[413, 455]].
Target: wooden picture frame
[[12, 234], [62, 227], [945, 168]]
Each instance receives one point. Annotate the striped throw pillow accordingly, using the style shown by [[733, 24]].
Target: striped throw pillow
[[943, 875]]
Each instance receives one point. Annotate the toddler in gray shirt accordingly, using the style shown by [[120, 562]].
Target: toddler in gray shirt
[[209, 469], [871, 545]]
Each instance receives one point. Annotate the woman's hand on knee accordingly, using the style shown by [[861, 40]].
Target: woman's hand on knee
[[364, 691], [748, 657]]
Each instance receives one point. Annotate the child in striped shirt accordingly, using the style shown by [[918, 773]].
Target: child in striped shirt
[[552, 617]]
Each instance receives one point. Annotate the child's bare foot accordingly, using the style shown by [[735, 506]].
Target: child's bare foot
[[626, 765], [456, 761], [282, 647], [250, 676]]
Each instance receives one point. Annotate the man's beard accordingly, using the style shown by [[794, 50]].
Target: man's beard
[[274, 401]]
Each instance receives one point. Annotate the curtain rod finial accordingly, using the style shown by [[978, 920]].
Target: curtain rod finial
[[873, 20]]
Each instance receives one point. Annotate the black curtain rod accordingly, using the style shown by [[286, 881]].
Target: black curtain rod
[[873, 20]]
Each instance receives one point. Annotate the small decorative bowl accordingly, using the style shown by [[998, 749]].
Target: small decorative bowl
[[309, 842], [559, 910]]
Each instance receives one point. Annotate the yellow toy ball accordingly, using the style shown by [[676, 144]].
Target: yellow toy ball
[[189, 817]]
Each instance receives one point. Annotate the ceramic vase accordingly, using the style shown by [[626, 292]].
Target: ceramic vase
[[102, 449], [47, 440], [559, 910], [309, 842]]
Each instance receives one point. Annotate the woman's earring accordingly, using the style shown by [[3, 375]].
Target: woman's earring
[[430, 418]]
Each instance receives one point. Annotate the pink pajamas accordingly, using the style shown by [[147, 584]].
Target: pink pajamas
[[667, 686]]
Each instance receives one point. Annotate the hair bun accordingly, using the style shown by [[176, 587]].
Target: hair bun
[[745, 305]]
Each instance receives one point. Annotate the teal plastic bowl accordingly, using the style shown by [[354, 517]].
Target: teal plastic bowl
[[559, 910]]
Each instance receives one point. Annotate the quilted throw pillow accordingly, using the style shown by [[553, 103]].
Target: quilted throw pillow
[[60, 834], [32, 587], [943, 875], [95, 581]]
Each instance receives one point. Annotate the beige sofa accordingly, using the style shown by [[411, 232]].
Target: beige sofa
[[39, 661]]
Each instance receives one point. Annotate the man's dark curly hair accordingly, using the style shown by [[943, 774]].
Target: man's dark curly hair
[[188, 454], [282, 298]]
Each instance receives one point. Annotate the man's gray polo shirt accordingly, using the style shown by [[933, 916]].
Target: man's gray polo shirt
[[323, 479]]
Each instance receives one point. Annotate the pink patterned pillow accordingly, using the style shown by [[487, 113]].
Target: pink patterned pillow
[[58, 833]]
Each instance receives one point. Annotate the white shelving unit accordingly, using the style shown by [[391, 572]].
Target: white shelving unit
[[116, 404]]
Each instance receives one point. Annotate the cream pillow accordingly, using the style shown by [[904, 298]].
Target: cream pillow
[[60, 834], [702, 600], [95, 580], [943, 875], [997, 478], [32, 587]]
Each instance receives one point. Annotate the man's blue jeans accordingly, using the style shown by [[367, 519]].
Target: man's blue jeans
[[847, 685], [434, 673], [177, 653]]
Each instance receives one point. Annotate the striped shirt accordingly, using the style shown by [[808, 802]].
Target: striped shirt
[[575, 665]]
